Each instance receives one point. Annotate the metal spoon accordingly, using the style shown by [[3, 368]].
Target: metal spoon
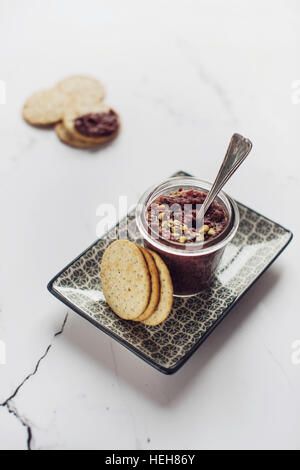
[[238, 149]]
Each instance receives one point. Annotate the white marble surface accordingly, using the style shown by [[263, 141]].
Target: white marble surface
[[184, 77]]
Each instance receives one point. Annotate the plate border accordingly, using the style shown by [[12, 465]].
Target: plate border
[[126, 344]]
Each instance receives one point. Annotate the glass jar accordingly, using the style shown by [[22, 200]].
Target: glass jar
[[192, 266]]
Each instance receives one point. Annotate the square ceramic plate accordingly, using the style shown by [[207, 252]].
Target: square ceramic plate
[[258, 242]]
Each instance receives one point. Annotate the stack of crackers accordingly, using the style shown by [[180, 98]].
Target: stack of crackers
[[136, 283], [69, 100]]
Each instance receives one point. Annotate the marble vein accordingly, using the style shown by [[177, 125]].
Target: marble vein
[[10, 405], [280, 367], [206, 77]]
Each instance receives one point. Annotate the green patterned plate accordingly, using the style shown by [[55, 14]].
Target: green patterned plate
[[258, 242]]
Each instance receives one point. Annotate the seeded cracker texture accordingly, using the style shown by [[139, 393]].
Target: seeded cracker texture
[[155, 285], [166, 293], [87, 88], [44, 108], [125, 279]]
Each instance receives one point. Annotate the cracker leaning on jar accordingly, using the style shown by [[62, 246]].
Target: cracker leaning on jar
[[136, 283]]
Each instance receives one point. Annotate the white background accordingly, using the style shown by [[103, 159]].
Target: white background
[[184, 76]]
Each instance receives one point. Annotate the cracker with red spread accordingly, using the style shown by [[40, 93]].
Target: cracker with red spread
[[91, 123]]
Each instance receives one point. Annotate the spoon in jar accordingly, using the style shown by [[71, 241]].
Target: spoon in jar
[[238, 149]]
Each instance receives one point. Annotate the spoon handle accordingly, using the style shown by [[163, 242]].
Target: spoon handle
[[238, 149]]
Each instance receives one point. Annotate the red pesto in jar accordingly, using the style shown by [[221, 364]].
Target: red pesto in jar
[[174, 217], [193, 260], [195, 272]]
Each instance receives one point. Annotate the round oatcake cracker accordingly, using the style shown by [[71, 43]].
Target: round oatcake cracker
[[155, 285], [125, 279], [76, 109], [87, 89], [44, 108], [68, 139], [166, 293]]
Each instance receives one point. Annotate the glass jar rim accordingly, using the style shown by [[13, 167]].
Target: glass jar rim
[[230, 204]]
